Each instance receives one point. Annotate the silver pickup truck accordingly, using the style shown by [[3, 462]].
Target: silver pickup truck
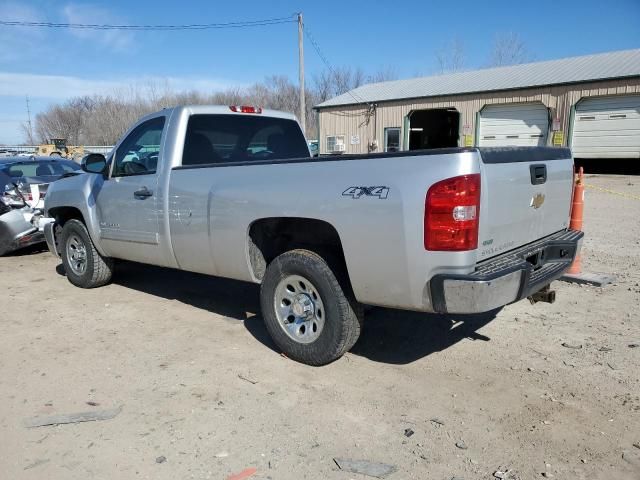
[[233, 192]]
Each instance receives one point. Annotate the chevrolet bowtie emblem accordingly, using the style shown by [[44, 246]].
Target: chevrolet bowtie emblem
[[537, 200]]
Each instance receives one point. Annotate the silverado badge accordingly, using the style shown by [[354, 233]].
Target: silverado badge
[[537, 200]]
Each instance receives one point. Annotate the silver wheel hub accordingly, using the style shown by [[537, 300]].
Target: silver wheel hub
[[299, 309], [302, 306], [77, 254]]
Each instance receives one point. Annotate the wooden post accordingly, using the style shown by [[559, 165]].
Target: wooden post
[[303, 109]]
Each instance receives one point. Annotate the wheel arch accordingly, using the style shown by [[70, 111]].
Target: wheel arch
[[63, 214], [271, 236]]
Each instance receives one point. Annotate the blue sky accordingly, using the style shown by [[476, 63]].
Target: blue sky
[[52, 65]]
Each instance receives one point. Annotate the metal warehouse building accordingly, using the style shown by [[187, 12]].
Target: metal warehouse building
[[590, 103]]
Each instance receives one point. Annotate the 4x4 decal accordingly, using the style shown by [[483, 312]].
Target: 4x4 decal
[[357, 192]]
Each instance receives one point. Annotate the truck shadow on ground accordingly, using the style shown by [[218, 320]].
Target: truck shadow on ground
[[389, 336], [399, 337]]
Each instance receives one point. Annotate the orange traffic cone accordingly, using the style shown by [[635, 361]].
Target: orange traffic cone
[[577, 210]]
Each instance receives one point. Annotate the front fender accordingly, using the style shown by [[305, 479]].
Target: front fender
[[50, 238], [78, 193]]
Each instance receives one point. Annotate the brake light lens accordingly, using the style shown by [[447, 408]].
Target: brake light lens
[[245, 109], [29, 197], [451, 212]]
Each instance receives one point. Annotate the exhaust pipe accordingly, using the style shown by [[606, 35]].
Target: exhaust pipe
[[545, 294]]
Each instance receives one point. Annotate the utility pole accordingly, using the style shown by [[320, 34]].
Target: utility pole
[[30, 132], [303, 109]]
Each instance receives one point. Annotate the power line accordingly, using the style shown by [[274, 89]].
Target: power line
[[371, 107], [192, 26], [318, 50]]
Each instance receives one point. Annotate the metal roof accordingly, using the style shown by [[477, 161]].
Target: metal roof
[[601, 66]]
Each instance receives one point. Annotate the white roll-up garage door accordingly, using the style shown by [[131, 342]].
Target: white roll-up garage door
[[607, 127], [521, 124]]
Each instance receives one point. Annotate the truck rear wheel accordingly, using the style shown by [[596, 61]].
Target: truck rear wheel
[[306, 310], [84, 266]]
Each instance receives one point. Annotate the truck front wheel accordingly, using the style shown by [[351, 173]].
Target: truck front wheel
[[84, 266], [306, 310]]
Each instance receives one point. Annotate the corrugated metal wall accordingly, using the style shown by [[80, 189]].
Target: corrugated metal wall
[[350, 120]]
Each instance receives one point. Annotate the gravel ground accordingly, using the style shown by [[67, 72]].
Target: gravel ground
[[204, 393]]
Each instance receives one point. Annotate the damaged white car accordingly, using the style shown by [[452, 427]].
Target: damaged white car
[[23, 186]]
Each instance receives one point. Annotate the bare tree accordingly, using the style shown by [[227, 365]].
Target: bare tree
[[275, 92], [334, 82], [322, 86], [509, 49], [347, 78], [27, 131], [339, 80], [109, 119], [451, 57], [383, 75], [102, 119], [64, 121]]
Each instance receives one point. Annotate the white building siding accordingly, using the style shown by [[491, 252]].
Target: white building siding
[[352, 120]]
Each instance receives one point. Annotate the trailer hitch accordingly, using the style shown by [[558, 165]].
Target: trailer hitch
[[545, 294]]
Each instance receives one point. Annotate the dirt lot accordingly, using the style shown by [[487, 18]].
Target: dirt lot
[[200, 384]]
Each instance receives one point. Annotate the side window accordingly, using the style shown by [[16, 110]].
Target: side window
[[138, 153]]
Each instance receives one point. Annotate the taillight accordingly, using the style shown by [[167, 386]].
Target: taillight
[[451, 212], [244, 109], [29, 197]]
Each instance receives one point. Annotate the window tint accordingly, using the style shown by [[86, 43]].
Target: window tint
[[21, 170], [239, 138], [40, 169], [138, 153]]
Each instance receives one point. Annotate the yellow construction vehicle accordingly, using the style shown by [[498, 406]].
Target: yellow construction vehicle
[[57, 147]]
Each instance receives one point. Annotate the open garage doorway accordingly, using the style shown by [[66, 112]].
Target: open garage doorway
[[434, 128]]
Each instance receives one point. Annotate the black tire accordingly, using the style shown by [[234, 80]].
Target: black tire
[[98, 269], [342, 317]]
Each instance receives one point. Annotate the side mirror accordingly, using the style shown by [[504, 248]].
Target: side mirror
[[94, 163]]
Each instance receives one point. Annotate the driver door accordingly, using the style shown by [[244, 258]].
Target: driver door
[[127, 204]]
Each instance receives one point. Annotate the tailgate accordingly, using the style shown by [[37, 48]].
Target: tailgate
[[526, 195]]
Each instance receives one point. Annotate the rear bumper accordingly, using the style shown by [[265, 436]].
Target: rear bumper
[[17, 232], [507, 278]]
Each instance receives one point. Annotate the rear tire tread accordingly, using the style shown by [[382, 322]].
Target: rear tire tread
[[349, 313]]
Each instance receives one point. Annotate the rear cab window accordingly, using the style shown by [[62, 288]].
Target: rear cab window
[[217, 138]]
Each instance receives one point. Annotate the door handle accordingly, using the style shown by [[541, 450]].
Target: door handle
[[143, 193]]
